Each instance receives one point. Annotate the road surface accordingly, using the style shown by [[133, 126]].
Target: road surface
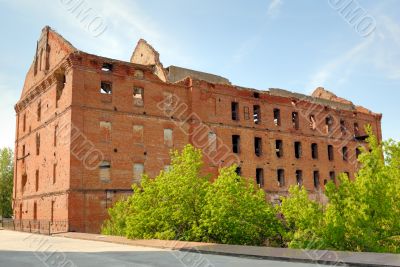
[[24, 249]]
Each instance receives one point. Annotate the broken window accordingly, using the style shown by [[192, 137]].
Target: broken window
[[54, 173], [39, 111], [106, 88], [313, 122], [256, 94], [332, 176], [236, 144], [343, 129], [299, 177], [138, 133], [138, 169], [316, 179], [297, 149], [24, 122], [246, 112], [281, 177], [212, 141], [37, 144], [330, 152], [314, 150], [260, 177], [55, 135], [168, 138], [277, 117], [138, 97], [24, 180], [345, 153], [104, 171], [107, 67], [256, 114], [328, 124], [105, 131], [37, 180], [356, 129], [238, 171], [61, 81], [258, 146], [279, 148], [235, 111], [295, 120]]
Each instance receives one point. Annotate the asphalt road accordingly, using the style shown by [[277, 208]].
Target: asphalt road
[[24, 249]]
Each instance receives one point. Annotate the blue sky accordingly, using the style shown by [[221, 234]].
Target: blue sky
[[289, 44]]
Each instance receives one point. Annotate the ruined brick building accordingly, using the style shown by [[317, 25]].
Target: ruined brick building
[[87, 127]]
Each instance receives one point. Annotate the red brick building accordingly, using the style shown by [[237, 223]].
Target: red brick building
[[89, 126]]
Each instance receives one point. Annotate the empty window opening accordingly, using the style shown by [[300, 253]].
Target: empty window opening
[[332, 176], [238, 171], [24, 180], [34, 211], [39, 111], [246, 113], [281, 177], [138, 97], [260, 177], [256, 114], [138, 133], [313, 122], [104, 171], [277, 117], [279, 148], [258, 146], [314, 150], [52, 211], [297, 150], [37, 144], [256, 94], [54, 173], [24, 123], [235, 111], [105, 131], [55, 135], [295, 120], [61, 81], [347, 174], [356, 129], [343, 128], [212, 141], [107, 67], [316, 179], [299, 177], [168, 137], [37, 180], [138, 169], [106, 88], [236, 144], [328, 124], [23, 153], [20, 212], [330, 152], [345, 153]]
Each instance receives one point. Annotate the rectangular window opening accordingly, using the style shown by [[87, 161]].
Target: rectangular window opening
[[316, 179], [246, 113], [37, 180], [328, 124], [277, 117], [279, 148], [106, 88], [260, 177], [236, 144], [299, 177], [238, 171], [54, 173], [281, 177], [235, 111], [104, 171], [107, 67], [256, 114], [37, 144], [258, 146], [314, 150], [168, 137], [345, 153], [295, 120], [138, 170], [343, 128], [39, 111], [332, 176], [297, 150], [138, 99], [330, 152]]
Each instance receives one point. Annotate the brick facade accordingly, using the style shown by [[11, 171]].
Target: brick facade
[[88, 126]]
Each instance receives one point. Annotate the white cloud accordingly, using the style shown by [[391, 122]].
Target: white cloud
[[274, 8]]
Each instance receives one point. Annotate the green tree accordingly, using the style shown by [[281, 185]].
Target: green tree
[[302, 219], [6, 181], [236, 211], [167, 207]]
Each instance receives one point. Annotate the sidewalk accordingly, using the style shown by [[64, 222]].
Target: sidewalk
[[336, 258]]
